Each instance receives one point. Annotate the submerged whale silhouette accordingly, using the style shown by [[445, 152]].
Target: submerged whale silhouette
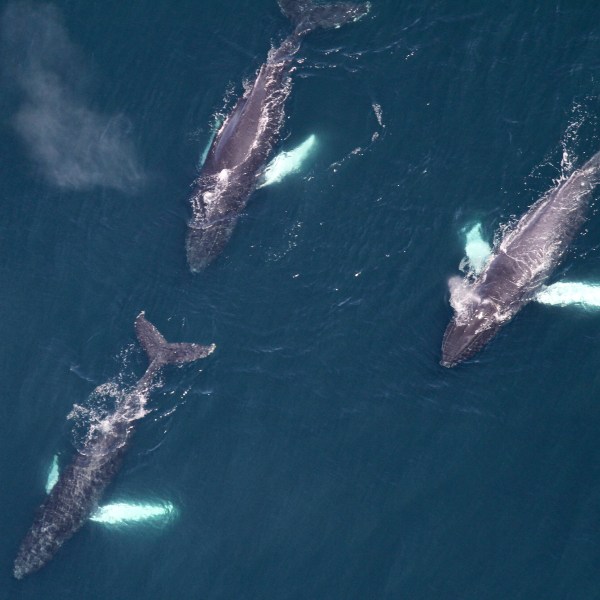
[[245, 140], [80, 486], [519, 266]]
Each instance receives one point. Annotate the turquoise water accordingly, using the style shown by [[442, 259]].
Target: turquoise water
[[321, 452]]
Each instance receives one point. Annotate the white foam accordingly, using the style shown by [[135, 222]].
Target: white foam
[[130, 513], [568, 293], [289, 162], [52, 475]]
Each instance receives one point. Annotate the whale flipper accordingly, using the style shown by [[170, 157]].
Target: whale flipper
[[308, 16], [568, 293], [160, 352], [477, 251]]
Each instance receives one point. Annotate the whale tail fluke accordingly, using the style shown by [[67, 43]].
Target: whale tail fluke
[[307, 16], [160, 352]]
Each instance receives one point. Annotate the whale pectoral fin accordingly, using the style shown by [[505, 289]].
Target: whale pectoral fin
[[287, 162], [563, 293], [53, 474], [133, 513], [477, 251]]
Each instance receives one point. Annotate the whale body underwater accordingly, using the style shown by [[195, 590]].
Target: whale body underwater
[[76, 494], [519, 266], [243, 143]]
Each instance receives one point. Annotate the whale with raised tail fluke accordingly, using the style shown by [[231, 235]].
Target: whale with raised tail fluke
[[515, 273], [76, 494], [240, 149]]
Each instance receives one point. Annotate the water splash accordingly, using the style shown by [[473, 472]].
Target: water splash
[[289, 162], [52, 475], [131, 513]]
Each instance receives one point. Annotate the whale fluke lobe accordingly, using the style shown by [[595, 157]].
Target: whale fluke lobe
[[160, 352], [308, 16]]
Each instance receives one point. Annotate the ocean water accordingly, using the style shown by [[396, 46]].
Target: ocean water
[[321, 452]]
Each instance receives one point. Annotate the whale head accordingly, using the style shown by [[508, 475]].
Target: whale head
[[476, 321], [204, 243], [464, 339]]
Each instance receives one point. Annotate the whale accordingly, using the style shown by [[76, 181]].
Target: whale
[[241, 147], [520, 264], [76, 494]]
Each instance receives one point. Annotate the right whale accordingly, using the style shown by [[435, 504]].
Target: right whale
[[519, 266], [245, 140]]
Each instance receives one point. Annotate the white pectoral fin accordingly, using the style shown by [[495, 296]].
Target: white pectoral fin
[[477, 251], [134, 513], [288, 162], [53, 474], [585, 295]]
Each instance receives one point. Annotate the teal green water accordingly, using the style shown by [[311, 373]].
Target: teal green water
[[321, 452]]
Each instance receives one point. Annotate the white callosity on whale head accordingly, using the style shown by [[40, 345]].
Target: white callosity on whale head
[[286, 163]]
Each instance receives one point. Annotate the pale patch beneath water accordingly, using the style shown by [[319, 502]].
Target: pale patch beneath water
[[52, 475], [130, 513], [586, 295], [477, 251], [289, 162]]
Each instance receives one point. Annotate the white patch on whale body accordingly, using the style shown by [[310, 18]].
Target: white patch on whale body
[[52, 475], [477, 251], [286, 163], [131, 513], [586, 295]]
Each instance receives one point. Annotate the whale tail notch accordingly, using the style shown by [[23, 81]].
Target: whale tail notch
[[307, 16], [160, 352]]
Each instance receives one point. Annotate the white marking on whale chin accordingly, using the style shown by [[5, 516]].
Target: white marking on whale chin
[[286, 163], [132, 513]]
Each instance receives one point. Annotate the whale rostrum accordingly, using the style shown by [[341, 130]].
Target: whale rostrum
[[80, 486]]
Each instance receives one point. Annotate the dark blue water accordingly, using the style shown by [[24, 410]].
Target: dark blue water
[[321, 452]]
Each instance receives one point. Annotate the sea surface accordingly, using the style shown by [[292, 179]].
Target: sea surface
[[321, 452]]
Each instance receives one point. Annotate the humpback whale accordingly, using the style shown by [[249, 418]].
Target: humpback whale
[[80, 486], [519, 266], [246, 138]]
